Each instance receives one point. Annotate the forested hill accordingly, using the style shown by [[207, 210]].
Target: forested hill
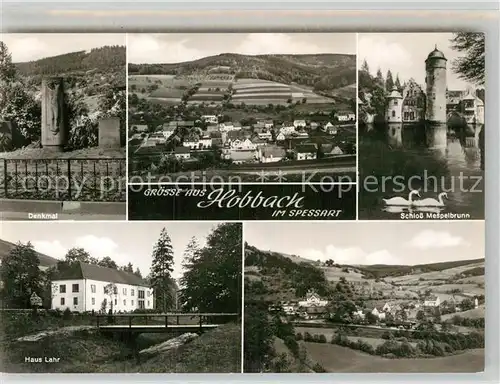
[[103, 59], [381, 270], [279, 273], [321, 71]]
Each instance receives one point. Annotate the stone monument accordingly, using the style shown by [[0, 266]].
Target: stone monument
[[54, 114], [109, 132]]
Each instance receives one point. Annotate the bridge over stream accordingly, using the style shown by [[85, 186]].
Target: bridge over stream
[[135, 323]]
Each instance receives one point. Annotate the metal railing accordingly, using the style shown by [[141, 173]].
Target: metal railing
[[92, 179], [200, 319]]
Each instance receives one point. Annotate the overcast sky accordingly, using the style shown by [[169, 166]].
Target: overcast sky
[[34, 46], [124, 242], [179, 47], [405, 53], [371, 242]]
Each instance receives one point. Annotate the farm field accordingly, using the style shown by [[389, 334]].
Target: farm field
[[471, 314], [335, 358]]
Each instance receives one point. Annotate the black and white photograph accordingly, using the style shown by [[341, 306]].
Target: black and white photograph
[[421, 126], [63, 126], [319, 299], [245, 107], [118, 297]]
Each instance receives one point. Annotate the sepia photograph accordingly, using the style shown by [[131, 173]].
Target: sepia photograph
[[317, 299], [118, 297], [254, 107], [422, 125], [62, 126]]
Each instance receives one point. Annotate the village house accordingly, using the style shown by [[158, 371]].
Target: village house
[[258, 141], [243, 145], [289, 308], [198, 143], [217, 139], [329, 128], [287, 129], [167, 132], [313, 125], [229, 126], [280, 137], [271, 154], [212, 119], [312, 300], [305, 152], [182, 153], [329, 150], [432, 301], [346, 116], [84, 287], [268, 124], [266, 135], [299, 123], [139, 128], [156, 138], [379, 313]]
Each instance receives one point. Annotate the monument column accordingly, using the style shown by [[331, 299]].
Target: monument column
[[54, 114]]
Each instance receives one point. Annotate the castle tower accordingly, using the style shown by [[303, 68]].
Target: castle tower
[[435, 80], [394, 107]]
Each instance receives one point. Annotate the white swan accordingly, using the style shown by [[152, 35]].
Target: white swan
[[402, 201], [432, 202]]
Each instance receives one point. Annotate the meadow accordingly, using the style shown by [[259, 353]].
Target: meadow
[[335, 358]]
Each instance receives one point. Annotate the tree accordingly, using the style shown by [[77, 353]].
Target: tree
[[111, 290], [420, 316], [21, 276], [7, 68], [161, 269], [371, 318], [138, 273], [191, 253], [129, 268], [258, 340], [380, 78], [107, 262], [213, 282], [469, 67], [364, 67], [398, 83], [77, 255], [389, 82]]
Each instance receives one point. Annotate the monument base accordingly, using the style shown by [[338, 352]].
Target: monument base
[[53, 148]]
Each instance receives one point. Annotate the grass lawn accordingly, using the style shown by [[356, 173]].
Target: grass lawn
[[335, 358]]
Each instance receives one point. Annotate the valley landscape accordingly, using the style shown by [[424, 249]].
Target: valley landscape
[[324, 315], [236, 114]]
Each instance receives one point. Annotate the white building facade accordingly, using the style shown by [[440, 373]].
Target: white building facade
[[100, 288]]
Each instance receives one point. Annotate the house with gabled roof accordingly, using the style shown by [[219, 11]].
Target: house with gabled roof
[[305, 151], [85, 287]]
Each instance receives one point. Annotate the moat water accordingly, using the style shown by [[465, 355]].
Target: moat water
[[396, 158]]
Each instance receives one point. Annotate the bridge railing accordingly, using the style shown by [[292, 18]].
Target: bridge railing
[[168, 320]]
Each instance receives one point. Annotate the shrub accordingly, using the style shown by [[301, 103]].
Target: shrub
[[318, 368], [322, 339], [308, 337], [292, 345], [298, 336], [67, 314]]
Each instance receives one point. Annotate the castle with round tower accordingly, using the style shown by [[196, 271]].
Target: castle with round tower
[[412, 104], [435, 81]]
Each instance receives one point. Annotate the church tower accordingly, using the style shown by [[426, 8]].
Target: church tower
[[435, 80]]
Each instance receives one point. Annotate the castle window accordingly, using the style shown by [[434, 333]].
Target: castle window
[[393, 113], [395, 102]]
